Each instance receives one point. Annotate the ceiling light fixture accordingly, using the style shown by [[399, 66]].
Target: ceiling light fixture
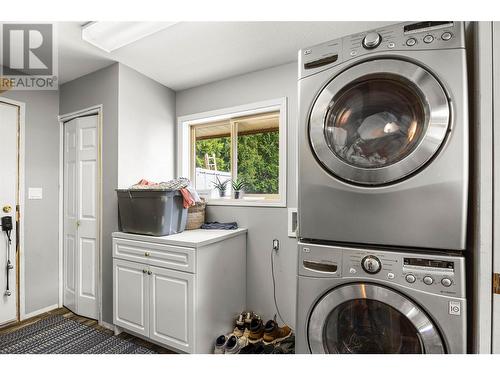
[[110, 36]]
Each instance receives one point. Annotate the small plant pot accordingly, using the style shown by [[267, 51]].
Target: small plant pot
[[237, 194], [222, 193]]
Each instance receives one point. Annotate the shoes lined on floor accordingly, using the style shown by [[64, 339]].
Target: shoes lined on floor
[[251, 336], [274, 334], [256, 330], [220, 344], [235, 344]]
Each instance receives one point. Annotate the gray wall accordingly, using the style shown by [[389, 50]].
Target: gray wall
[[264, 224], [101, 87], [146, 131], [138, 141], [41, 241]]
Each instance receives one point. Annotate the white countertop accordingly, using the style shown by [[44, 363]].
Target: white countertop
[[190, 238]]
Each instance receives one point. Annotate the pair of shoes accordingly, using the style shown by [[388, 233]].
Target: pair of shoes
[[257, 348], [256, 330], [230, 344], [274, 334], [243, 323]]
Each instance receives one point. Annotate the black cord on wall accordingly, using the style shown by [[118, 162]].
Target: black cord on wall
[[274, 288]]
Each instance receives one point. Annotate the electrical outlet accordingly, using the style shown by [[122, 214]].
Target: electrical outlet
[[276, 245]]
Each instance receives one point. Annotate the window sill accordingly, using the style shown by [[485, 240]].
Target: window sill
[[246, 202]]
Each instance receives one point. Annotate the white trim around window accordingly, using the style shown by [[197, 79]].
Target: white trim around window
[[184, 159]]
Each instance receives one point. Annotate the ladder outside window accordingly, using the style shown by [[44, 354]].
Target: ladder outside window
[[210, 162]]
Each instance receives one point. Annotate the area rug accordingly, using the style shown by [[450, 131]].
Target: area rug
[[59, 335]]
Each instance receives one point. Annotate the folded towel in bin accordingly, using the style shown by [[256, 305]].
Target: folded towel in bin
[[217, 225]]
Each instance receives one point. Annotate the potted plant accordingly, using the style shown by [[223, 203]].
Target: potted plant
[[221, 186], [238, 186]]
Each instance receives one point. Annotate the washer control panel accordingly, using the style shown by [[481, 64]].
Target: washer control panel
[[407, 36], [433, 273]]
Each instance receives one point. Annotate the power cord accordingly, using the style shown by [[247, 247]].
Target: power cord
[[273, 249]]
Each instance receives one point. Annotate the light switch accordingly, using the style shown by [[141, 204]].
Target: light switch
[[35, 193]]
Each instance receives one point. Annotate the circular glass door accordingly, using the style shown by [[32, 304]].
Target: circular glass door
[[370, 319], [379, 121]]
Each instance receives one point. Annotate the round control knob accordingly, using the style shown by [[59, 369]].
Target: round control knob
[[428, 39], [411, 42], [446, 35], [428, 280], [371, 264], [410, 278], [446, 282], [372, 40]]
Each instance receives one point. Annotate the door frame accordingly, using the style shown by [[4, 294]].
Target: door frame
[[94, 110], [20, 276]]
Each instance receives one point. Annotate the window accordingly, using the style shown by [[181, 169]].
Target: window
[[244, 146]]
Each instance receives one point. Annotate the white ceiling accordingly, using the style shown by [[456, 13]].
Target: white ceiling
[[189, 54]]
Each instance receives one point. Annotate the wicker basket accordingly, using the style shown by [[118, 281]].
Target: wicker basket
[[196, 216]]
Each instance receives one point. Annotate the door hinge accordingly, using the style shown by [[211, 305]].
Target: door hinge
[[496, 283]]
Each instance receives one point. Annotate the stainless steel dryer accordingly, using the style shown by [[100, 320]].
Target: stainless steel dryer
[[383, 134], [354, 300]]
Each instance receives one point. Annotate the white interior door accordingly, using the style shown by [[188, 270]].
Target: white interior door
[[81, 216], [8, 198]]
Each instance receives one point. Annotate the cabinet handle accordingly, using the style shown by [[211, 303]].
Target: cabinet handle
[[149, 272], [144, 271], [146, 254]]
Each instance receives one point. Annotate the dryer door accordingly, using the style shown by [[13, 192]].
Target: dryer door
[[368, 318], [379, 121]]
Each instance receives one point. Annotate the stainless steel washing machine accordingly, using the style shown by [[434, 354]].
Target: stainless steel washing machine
[[355, 301], [383, 137]]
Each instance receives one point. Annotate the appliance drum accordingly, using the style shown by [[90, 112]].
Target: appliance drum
[[379, 121]]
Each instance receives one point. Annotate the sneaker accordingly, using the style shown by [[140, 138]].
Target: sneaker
[[235, 344], [274, 334], [239, 328], [248, 317], [220, 344], [256, 330]]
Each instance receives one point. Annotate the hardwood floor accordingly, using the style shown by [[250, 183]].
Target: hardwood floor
[[86, 321]]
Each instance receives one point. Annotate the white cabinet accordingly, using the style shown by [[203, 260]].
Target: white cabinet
[[180, 291], [172, 304], [131, 296]]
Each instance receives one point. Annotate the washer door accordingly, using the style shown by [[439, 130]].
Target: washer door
[[379, 121], [367, 318]]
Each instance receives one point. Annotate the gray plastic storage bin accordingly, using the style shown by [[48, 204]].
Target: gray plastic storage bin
[[151, 212]]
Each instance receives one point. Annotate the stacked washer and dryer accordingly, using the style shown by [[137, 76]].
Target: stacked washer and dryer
[[383, 186]]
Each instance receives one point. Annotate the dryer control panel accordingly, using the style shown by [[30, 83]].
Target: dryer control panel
[[407, 36], [433, 273]]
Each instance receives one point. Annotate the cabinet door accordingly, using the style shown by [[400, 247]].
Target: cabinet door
[[171, 309], [131, 296]]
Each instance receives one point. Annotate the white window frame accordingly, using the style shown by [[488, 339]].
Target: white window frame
[[185, 158]]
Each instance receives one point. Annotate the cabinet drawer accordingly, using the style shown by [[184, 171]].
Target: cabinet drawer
[[172, 257]]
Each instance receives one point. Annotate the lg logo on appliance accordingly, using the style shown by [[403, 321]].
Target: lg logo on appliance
[[27, 49]]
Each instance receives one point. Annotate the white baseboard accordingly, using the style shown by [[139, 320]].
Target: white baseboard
[[39, 312]]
